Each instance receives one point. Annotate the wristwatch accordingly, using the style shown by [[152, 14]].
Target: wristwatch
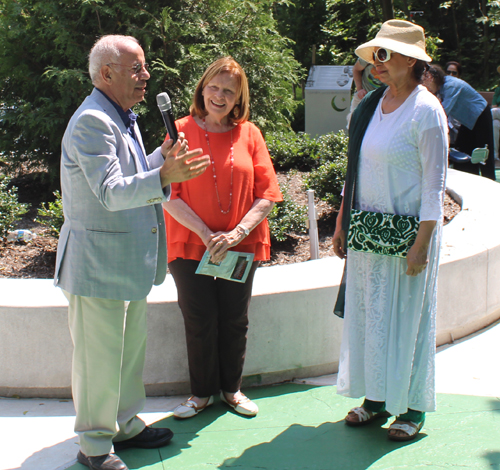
[[245, 230]]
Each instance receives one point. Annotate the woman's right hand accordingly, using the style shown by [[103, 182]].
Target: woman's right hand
[[220, 243], [339, 236], [339, 243]]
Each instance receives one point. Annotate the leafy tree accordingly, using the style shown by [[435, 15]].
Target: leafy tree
[[34, 109], [349, 24], [463, 30], [44, 45], [301, 21], [470, 32], [387, 9], [241, 28]]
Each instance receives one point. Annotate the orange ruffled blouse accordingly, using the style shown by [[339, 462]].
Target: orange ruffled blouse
[[253, 177]]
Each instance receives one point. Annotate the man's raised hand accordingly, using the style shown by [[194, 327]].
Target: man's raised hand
[[180, 163]]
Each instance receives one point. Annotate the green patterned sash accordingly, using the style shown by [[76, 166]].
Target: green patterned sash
[[382, 234]]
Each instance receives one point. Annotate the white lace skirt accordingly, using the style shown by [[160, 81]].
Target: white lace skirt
[[389, 336]]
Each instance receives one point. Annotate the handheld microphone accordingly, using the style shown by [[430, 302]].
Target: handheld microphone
[[163, 101]]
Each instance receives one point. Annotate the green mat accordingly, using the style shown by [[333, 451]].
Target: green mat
[[300, 427]]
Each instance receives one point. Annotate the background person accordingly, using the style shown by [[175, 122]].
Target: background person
[[399, 133], [112, 250], [495, 114], [366, 79], [223, 210], [453, 68], [464, 104]]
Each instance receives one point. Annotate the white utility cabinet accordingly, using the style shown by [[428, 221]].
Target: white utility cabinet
[[328, 98]]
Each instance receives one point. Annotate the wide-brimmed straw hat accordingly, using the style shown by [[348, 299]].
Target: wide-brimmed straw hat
[[399, 36]]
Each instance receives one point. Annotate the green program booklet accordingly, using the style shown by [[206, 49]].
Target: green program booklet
[[235, 266]]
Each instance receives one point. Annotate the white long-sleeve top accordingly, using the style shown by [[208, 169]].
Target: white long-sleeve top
[[403, 159]]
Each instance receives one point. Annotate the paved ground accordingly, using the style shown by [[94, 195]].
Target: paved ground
[[300, 426]]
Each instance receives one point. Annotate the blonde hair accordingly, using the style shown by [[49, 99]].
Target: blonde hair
[[241, 111]]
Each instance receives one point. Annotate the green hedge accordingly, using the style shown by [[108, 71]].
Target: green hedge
[[51, 215], [286, 217], [328, 178], [325, 158], [292, 151]]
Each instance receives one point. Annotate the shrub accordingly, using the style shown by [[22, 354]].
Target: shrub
[[286, 217], [51, 215], [11, 210], [298, 122], [328, 179], [290, 150], [331, 146]]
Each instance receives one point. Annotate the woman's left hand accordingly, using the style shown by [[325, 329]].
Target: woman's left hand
[[417, 259], [418, 255], [221, 242]]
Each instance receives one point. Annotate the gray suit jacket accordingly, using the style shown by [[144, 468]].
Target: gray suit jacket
[[112, 244]]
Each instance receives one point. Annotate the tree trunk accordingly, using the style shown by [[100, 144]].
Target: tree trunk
[[455, 30], [406, 9], [486, 45], [387, 9]]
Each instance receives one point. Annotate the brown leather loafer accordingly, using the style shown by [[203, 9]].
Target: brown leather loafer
[[102, 462], [149, 438]]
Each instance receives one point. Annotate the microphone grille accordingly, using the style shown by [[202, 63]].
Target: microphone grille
[[163, 101]]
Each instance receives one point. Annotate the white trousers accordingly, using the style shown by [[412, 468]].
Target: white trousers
[[109, 338]]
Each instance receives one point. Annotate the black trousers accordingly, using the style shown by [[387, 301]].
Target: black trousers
[[215, 315], [479, 136]]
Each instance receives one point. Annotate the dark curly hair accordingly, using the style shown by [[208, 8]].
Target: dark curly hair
[[419, 70], [437, 74]]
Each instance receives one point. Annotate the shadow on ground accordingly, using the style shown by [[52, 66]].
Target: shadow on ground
[[301, 427]]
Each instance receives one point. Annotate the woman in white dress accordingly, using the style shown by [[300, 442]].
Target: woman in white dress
[[388, 346]]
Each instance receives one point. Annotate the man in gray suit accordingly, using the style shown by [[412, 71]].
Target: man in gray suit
[[112, 249]]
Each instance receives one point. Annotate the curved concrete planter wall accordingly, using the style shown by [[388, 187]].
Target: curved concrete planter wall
[[293, 332]]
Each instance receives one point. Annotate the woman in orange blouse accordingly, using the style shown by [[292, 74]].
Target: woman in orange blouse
[[224, 209]]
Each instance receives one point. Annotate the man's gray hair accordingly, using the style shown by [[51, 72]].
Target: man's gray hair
[[106, 50]]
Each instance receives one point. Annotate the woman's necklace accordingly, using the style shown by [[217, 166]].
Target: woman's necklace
[[215, 175]]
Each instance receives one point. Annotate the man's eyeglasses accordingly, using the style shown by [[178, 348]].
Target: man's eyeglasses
[[382, 55], [454, 73], [136, 68]]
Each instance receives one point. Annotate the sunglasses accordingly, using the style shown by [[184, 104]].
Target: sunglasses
[[136, 68], [382, 55], [452, 72]]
